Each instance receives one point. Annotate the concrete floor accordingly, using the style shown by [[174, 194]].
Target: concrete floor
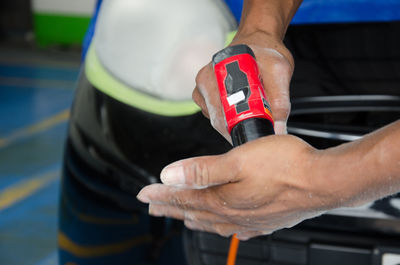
[[36, 91]]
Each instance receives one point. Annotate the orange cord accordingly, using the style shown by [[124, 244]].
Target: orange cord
[[232, 254]]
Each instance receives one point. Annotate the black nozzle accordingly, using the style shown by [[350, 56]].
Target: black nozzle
[[232, 51], [251, 129]]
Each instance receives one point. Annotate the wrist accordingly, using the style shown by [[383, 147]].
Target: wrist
[[269, 26], [272, 17], [330, 178], [345, 174], [358, 172]]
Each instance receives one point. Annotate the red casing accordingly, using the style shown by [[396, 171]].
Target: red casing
[[248, 65]]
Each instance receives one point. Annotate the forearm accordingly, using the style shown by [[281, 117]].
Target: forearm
[[364, 170], [270, 16]]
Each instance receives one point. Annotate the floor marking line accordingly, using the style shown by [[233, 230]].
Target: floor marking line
[[51, 259], [36, 128], [85, 251], [25, 188]]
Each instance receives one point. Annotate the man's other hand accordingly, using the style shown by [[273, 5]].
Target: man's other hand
[[255, 189], [276, 66]]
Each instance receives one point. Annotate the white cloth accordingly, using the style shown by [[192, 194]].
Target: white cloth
[[158, 46]]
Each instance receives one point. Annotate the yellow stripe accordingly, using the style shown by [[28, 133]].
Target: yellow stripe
[[36, 128], [24, 189], [82, 251], [100, 78], [229, 37], [48, 123]]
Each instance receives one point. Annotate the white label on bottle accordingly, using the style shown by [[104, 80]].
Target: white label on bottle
[[236, 98]]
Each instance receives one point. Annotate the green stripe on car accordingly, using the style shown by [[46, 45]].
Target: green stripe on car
[[103, 81]]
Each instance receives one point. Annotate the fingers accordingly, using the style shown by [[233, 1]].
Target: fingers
[[198, 220], [204, 221], [201, 172], [166, 211], [184, 199], [206, 95], [222, 229], [199, 100], [276, 72], [204, 217]]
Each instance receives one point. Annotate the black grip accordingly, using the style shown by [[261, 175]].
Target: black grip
[[232, 51], [249, 130]]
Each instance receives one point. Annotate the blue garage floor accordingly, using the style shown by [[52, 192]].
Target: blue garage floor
[[36, 91]]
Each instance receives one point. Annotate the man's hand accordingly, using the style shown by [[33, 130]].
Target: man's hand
[[276, 68], [276, 182], [255, 189]]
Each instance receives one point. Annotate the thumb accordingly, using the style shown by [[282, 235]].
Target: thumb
[[276, 76], [280, 107], [199, 172]]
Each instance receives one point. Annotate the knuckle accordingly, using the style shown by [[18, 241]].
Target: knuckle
[[201, 75], [281, 106], [196, 96], [179, 202], [190, 216], [201, 174], [282, 66]]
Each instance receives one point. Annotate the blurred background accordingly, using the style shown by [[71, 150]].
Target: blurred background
[[40, 51]]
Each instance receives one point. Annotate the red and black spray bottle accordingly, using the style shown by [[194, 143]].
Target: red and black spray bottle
[[247, 111]]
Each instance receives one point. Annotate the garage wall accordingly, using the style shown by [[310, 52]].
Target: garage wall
[[73, 7], [60, 22]]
